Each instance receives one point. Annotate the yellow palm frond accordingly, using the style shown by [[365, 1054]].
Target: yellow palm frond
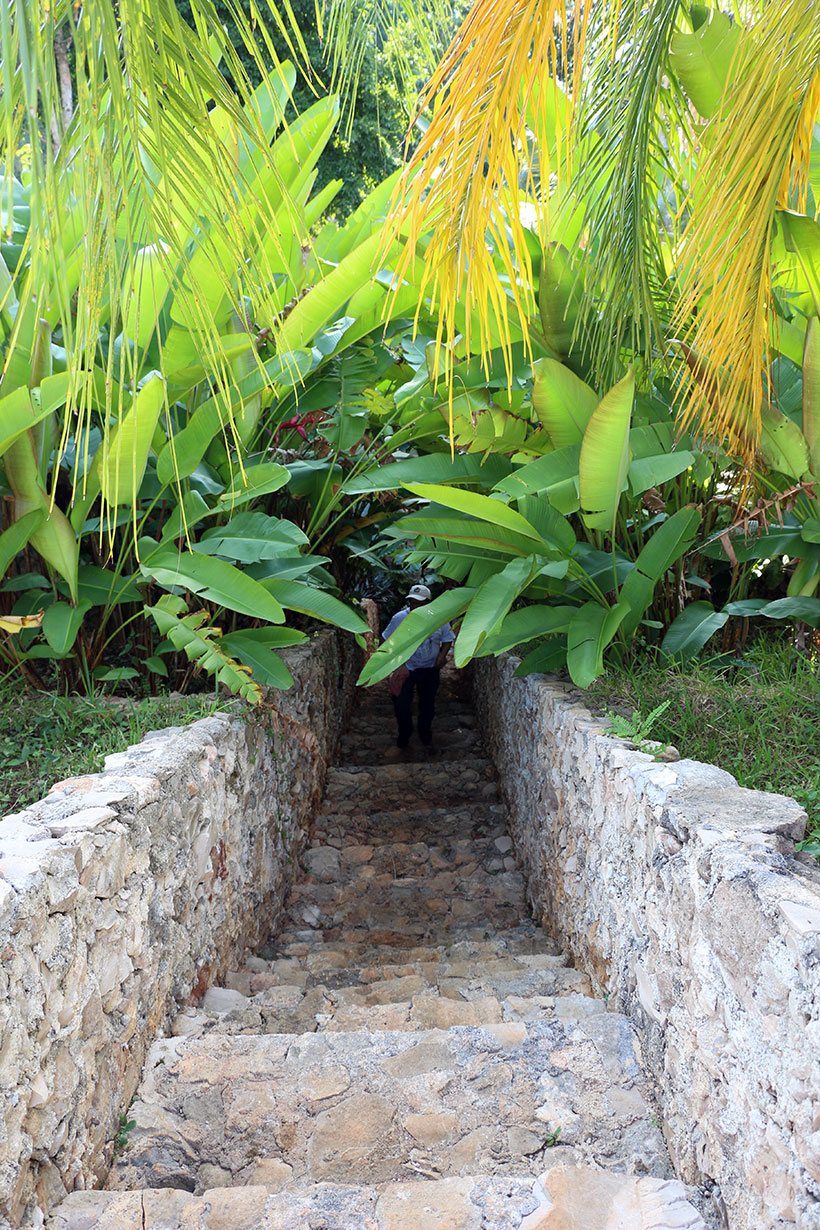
[[754, 146], [461, 191]]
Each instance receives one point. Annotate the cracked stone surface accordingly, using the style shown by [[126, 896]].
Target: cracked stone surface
[[409, 1052], [376, 1106], [617, 1202]]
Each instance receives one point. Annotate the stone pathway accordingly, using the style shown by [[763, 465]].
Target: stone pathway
[[410, 1053]]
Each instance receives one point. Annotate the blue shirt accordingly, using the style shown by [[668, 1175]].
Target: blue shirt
[[427, 652]]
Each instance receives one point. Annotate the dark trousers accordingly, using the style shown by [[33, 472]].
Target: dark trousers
[[425, 681]]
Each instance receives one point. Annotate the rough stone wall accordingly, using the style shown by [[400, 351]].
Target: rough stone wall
[[124, 892], [680, 893]]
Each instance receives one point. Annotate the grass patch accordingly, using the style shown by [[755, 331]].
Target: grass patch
[[45, 738], [756, 718]]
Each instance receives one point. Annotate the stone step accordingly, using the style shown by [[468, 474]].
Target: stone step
[[408, 888], [320, 952], [409, 912], [421, 934], [449, 717], [563, 1198], [468, 822], [378, 747], [358, 1107], [459, 858], [432, 997], [428, 783]]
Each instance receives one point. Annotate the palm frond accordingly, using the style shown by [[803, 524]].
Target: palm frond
[[634, 125], [462, 185], [159, 145], [353, 29], [753, 149]]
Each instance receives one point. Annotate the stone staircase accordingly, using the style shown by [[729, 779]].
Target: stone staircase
[[411, 1052]]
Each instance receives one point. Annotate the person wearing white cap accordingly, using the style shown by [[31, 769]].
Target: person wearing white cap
[[421, 672]]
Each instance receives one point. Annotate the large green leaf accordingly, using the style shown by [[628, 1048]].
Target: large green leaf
[[53, 538], [554, 528], [414, 629], [260, 479], [307, 600], [489, 605], [592, 628], [527, 624], [691, 630], [701, 60], [483, 507], [213, 579], [811, 393], [185, 451], [555, 475], [17, 535], [252, 536], [327, 299], [464, 530], [185, 361], [783, 445], [256, 648], [119, 464], [467, 471], [546, 658], [563, 402], [802, 238], [62, 622], [104, 587], [667, 545], [646, 472], [147, 280], [19, 411], [804, 609], [557, 284], [604, 458]]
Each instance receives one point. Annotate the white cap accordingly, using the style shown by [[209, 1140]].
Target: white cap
[[420, 592]]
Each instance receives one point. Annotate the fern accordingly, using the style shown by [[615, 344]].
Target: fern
[[192, 635], [637, 728]]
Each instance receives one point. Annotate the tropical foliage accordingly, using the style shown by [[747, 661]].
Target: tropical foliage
[[590, 415], [144, 383], [661, 157], [642, 228]]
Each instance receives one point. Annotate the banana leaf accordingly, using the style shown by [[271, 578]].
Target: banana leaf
[[592, 628], [701, 60], [667, 545], [61, 623], [464, 530], [15, 538], [255, 647], [437, 468], [490, 604], [563, 402], [783, 445], [604, 461], [417, 626], [688, 634], [306, 599], [811, 394], [214, 580], [484, 507], [527, 624], [252, 536]]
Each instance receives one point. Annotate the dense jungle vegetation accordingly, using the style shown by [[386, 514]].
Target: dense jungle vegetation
[[560, 359]]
